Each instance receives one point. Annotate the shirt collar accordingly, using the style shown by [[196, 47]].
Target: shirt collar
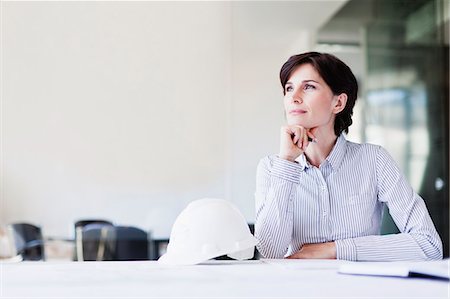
[[335, 157], [337, 154]]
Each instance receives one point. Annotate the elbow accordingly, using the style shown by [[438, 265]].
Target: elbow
[[431, 246], [268, 251], [267, 246], [434, 252], [263, 250]]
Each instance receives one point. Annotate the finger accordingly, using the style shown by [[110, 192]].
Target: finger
[[305, 141], [288, 132], [294, 138], [301, 134], [311, 135], [297, 134]]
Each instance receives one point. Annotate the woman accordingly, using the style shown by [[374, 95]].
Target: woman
[[323, 196]]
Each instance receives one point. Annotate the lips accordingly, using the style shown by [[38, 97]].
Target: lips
[[297, 111]]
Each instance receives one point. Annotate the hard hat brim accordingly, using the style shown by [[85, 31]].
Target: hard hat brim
[[244, 251]]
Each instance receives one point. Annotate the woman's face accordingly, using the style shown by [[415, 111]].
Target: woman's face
[[308, 101]]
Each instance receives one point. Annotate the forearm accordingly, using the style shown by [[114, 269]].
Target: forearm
[[274, 214], [418, 239], [273, 226], [398, 247]]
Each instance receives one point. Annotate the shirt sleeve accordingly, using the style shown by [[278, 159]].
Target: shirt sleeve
[[276, 180], [418, 238]]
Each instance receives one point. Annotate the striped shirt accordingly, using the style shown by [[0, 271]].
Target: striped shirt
[[342, 201]]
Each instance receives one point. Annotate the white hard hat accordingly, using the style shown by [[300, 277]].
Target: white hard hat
[[208, 228]]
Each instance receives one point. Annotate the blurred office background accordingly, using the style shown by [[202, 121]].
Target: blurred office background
[[129, 110], [400, 52]]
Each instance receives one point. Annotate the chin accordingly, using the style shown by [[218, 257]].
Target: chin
[[296, 122]]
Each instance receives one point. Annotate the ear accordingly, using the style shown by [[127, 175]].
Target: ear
[[341, 101]]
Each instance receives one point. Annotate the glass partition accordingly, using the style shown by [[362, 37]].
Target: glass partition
[[403, 47]]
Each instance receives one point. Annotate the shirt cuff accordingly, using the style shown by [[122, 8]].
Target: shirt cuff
[[345, 250], [285, 169]]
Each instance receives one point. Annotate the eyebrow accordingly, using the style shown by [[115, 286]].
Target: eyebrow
[[304, 81]]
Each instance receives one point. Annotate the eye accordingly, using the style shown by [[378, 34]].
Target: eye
[[289, 88], [309, 87]]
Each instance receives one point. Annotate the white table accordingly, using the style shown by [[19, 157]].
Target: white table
[[214, 279]]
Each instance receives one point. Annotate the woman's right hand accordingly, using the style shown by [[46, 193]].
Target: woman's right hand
[[294, 141]]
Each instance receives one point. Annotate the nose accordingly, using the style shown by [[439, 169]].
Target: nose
[[297, 97]]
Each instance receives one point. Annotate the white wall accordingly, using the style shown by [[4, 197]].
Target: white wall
[[128, 111]]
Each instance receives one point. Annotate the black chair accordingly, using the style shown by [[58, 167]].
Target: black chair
[[96, 242], [103, 242], [28, 241], [158, 248], [78, 227], [132, 244], [82, 223]]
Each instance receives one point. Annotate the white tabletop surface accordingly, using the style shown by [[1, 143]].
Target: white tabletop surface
[[214, 279]]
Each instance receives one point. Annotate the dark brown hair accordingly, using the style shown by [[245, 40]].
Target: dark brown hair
[[335, 73]]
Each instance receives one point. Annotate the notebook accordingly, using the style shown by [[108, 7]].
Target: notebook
[[432, 269]]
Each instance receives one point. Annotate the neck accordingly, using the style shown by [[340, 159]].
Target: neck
[[318, 151]]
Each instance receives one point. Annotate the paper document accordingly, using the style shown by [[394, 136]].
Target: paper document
[[306, 264], [432, 269]]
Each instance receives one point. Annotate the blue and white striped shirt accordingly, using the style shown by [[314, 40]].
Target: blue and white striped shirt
[[342, 201]]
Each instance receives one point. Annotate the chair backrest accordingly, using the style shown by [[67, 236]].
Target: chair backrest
[[104, 242], [84, 222], [97, 242], [28, 241], [78, 227], [132, 243]]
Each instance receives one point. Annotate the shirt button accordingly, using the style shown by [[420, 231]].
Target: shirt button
[[324, 188], [324, 214]]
